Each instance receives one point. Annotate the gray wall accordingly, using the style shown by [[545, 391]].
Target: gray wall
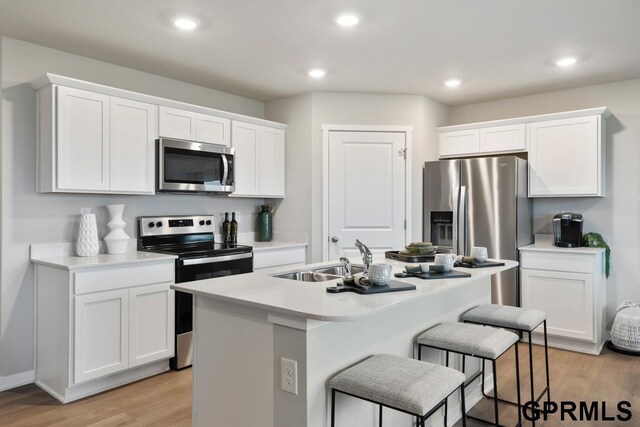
[[616, 216], [29, 218]]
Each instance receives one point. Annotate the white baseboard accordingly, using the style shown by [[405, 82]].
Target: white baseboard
[[17, 380]]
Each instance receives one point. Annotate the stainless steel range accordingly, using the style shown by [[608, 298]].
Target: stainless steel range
[[191, 238]]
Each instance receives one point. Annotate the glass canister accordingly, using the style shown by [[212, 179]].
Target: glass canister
[[265, 219]]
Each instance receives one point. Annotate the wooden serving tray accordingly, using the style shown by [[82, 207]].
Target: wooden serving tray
[[479, 265], [391, 286], [417, 258], [453, 274]]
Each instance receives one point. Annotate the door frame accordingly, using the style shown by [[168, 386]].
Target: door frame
[[326, 130]]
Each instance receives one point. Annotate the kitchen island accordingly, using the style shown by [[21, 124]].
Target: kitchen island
[[245, 325]]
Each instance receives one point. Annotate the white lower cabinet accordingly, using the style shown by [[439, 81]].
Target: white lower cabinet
[[94, 336], [278, 256], [568, 285]]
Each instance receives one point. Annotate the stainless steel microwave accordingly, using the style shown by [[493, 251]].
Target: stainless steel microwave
[[194, 167]]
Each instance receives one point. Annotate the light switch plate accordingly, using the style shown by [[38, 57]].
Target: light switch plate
[[289, 375]]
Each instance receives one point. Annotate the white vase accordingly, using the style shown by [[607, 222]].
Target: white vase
[[117, 240], [87, 243]]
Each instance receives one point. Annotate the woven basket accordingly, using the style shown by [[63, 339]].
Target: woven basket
[[625, 332]]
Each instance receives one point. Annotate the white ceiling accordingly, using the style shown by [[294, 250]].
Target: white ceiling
[[262, 48]]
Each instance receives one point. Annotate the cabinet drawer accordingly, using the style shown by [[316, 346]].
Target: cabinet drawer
[[277, 257], [554, 261], [123, 277]]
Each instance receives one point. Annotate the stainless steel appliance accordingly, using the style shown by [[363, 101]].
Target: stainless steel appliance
[[567, 230], [191, 238], [480, 202], [194, 167]]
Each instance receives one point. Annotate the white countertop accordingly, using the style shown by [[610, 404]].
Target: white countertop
[[311, 300], [550, 247], [101, 260], [273, 245]]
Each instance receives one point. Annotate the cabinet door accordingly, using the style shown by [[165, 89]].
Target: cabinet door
[[151, 324], [133, 133], [175, 123], [458, 143], [245, 139], [101, 332], [82, 140], [565, 157], [214, 130], [498, 139], [567, 298], [271, 162]]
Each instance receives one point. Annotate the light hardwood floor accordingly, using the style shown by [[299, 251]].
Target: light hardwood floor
[[165, 400]]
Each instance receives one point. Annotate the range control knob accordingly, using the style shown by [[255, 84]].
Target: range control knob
[[201, 222], [208, 222], [151, 224], [159, 224]]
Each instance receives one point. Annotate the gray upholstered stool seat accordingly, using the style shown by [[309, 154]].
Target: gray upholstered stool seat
[[506, 316], [397, 382], [475, 340]]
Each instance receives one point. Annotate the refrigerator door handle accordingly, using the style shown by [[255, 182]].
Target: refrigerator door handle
[[462, 220], [456, 204]]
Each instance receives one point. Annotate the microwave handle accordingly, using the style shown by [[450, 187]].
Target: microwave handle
[[225, 170]]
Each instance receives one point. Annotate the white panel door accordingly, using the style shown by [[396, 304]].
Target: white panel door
[[175, 123], [245, 139], [212, 129], [567, 298], [564, 157], [101, 333], [271, 162], [133, 133], [458, 143], [366, 191], [82, 140], [499, 139], [151, 324]]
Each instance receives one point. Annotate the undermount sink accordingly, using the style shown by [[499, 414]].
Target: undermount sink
[[320, 274]]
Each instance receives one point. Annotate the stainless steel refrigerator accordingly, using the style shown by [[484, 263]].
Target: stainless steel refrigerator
[[480, 202]]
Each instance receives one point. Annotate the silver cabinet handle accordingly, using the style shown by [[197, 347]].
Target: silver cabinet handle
[[335, 239]]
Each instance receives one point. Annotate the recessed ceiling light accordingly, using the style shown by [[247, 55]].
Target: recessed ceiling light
[[185, 23], [347, 20], [452, 83], [317, 73], [566, 62]]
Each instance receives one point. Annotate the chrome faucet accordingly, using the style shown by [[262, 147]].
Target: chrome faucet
[[346, 264], [367, 256]]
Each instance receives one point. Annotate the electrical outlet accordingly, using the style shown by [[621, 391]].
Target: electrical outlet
[[289, 375]]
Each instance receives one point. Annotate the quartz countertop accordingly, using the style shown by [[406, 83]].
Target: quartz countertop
[[101, 260], [550, 247], [274, 245], [310, 299]]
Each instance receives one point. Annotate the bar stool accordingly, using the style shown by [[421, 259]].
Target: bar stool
[[475, 341], [517, 319], [405, 385]]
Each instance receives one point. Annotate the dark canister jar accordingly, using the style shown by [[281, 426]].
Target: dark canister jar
[[265, 219]]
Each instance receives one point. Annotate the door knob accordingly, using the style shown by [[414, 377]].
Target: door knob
[[335, 239]]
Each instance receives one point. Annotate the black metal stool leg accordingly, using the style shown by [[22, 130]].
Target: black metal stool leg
[[446, 402], [533, 396], [463, 408], [333, 407], [546, 359], [518, 386], [380, 417], [495, 391]]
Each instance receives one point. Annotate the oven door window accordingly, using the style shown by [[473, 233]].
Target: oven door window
[[192, 167]]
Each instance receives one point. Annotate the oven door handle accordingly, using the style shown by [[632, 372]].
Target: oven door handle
[[225, 170], [212, 260]]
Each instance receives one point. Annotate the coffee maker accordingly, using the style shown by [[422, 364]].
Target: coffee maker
[[567, 230]]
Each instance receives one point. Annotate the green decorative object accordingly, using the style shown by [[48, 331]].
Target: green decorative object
[[595, 240], [265, 220]]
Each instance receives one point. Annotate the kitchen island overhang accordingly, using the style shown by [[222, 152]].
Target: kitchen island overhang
[[245, 325]]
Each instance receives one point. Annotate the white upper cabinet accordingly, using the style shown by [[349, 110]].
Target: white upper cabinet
[[182, 124], [259, 160], [566, 157], [500, 139], [133, 132], [82, 140], [175, 123], [458, 143], [212, 129]]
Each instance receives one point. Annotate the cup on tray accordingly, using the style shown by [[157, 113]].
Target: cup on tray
[[379, 273], [445, 260], [479, 253]]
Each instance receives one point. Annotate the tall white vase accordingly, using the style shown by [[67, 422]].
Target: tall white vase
[[117, 240], [87, 243]]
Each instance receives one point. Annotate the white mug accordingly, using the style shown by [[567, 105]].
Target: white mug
[[479, 253], [445, 260], [379, 273]]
